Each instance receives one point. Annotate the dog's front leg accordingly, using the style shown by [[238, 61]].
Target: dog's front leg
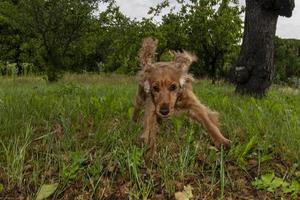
[[150, 126], [203, 115]]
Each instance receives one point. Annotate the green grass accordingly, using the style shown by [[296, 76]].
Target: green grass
[[78, 133]]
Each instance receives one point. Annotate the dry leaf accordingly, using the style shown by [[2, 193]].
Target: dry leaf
[[46, 191], [186, 194]]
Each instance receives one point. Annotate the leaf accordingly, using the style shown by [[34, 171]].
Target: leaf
[[258, 184], [188, 191], [253, 141], [265, 182], [265, 158], [186, 194], [297, 174], [46, 191], [285, 186], [294, 188], [295, 185], [276, 183], [1, 188], [267, 178], [179, 196]]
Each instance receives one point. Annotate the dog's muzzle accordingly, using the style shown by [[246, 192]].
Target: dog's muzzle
[[164, 111]]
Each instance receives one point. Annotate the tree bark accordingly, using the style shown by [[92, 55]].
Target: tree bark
[[254, 70], [19, 67]]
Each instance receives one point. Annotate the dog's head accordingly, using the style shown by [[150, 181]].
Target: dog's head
[[164, 81]]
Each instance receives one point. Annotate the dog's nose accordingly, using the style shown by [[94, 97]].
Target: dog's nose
[[164, 111]]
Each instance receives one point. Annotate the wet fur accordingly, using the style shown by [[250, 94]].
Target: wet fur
[[164, 75]]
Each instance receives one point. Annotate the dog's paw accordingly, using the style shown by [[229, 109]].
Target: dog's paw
[[144, 138], [225, 143]]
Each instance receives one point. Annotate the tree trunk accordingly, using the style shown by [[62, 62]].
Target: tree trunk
[[53, 65], [19, 67], [213, 68], [254, 70]]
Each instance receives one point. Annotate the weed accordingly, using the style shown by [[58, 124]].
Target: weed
[[271, 183], [69, 171], [222, 172], [15, 153]]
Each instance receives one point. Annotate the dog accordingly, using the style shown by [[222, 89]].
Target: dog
[[165, 88]]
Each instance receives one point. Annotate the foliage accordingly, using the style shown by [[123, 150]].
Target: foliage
[[55, 26], [57, 36], [120, 40], [209, 36], [202, 27], [270, 182], [60, 35], [12, 41], [287, 60]]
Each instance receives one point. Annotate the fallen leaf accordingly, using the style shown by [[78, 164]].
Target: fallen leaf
[[297, 174], [186, 194], [46, 191], [179, 196]]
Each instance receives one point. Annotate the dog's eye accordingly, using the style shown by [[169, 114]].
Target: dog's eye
[[173, 87], [156, 88]]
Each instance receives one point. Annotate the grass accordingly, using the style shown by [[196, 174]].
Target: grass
[[77, 133]]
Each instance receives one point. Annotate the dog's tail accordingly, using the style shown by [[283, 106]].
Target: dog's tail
[[147, 52]]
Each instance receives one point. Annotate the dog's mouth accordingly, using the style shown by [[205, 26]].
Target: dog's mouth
[[163, 116]]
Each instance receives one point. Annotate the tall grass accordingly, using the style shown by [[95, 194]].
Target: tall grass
[[78, 133]]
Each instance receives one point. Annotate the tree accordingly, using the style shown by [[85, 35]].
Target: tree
[[255, 65], [202, 27], [286, 59], [58, 25], [215, 33], [120, 40], [11, 37], [60, 35]]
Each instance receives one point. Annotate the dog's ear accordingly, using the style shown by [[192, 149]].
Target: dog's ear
[[184, 59], [182, 80], [185, 78], [146, 86]]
